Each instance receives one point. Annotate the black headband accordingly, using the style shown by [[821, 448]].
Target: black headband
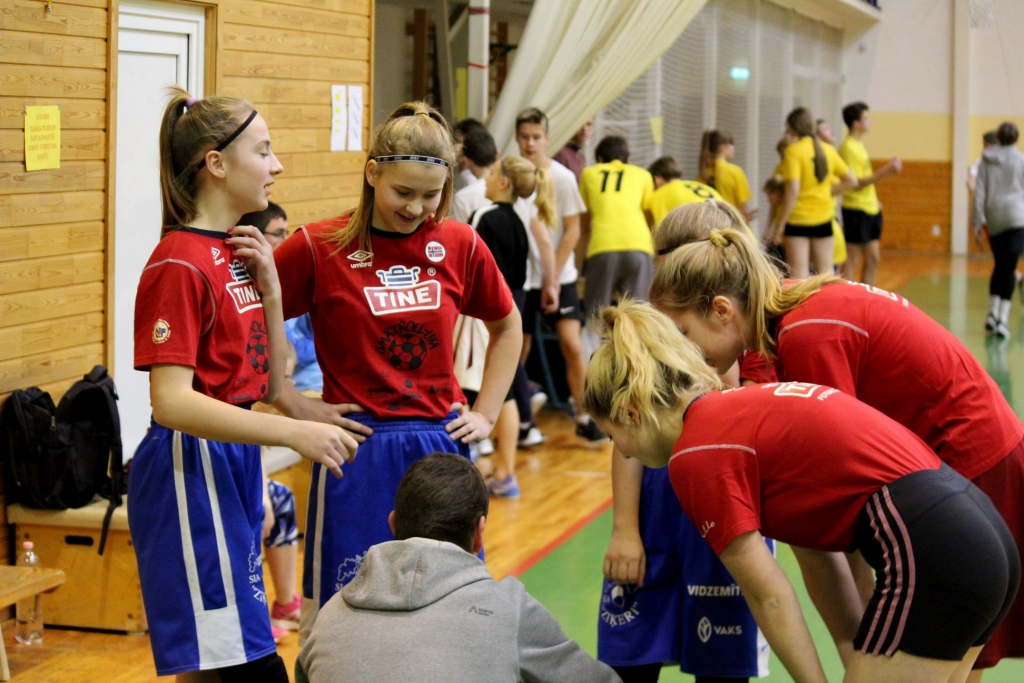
[[231, 138], [421, 158]]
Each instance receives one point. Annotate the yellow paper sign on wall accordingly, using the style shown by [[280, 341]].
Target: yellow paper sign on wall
[[42, 137], [656, 129]]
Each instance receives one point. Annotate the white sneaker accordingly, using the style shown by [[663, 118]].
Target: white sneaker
[[485, 446], [538, 401], [530, 436], [1003, 330]]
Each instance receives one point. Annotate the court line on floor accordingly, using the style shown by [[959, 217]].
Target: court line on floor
[[560, 539]]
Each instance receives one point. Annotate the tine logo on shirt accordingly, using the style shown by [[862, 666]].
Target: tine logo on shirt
[[243, 290], [402, 292]]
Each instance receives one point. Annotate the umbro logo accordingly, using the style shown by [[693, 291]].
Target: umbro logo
[[362, 258]]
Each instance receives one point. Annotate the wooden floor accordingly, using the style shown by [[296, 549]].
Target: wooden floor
[[565, 483]]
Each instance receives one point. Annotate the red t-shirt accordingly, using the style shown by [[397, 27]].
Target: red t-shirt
[[197, 306], [383, 321], [876, 346], [797, 461], [754, 367]]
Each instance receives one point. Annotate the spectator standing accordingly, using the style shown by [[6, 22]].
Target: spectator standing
[[478, 155], [670, 191], [999, 209], [463, 174], [571, 155], [989, 139], [717, 170]]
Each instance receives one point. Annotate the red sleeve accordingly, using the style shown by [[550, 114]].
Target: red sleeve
[[826, 354], [486, 294], [173, 307], [296, 269], [719, 488], [754, 367]]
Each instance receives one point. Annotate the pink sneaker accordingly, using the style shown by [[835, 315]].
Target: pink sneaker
[[278, 633], [286, 616]]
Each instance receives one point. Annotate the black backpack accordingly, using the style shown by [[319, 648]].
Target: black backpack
[[61, 457]]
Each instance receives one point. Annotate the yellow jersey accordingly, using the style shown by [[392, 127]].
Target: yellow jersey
[[615, 194], [674, 194], [856, 157], [731, 183], [815, 204]]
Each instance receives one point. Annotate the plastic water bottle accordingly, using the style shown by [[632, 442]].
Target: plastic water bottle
[[29, 612]]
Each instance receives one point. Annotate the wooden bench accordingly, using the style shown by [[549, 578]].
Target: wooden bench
[[101, 591], [19, 583]]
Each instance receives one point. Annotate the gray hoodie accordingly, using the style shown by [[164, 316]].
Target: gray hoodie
[[999, 197], [428, 611]]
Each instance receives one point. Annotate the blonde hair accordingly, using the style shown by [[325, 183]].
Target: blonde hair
[[643, 363], [413, 128], [526, 178], [728, 263], [189, 129], [692, 222]]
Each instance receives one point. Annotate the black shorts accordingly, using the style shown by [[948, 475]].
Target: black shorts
[[861, 228], [823, 230], [568, 307], [947, 567]]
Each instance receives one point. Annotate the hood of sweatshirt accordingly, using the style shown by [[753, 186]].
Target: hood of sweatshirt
[[400, 576], [998, 154]]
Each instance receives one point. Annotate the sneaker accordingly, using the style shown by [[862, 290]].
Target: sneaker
[[537, 401], [504, 488], [485, 446], [590, 431], [1003, 330], [991, 323], [286, 616], [278, 634], [530, 436]]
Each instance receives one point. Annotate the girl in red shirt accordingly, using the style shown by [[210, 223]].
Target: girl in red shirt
[[748, 461], [209, 330], [383, 286], [726, 296]]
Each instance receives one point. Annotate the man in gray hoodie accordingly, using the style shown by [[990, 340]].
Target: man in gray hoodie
[[999, 205], [424, 608]]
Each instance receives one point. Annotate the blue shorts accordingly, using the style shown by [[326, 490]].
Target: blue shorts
[[689, 610], [196, 519], [346, 516], [285, 531]]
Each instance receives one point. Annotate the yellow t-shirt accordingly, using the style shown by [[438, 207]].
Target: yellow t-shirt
[[674, 194], [615, 194], [731, 183], [856, 157], [815, 204]]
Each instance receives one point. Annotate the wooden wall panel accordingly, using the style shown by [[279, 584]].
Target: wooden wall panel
[[915, 201], [55, 225]]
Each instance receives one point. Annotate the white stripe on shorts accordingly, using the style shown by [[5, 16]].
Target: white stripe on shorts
[[218, 631]]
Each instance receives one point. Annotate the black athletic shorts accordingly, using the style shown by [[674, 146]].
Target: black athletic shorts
[[947, 567], [823, 230], [861, 228], [568, 307]]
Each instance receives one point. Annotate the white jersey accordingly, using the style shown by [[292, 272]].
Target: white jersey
[[570, 203], [469, 199]]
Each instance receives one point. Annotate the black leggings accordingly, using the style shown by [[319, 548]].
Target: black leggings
[[269, 669], [648, 673], [1006, 249], [521, 392]]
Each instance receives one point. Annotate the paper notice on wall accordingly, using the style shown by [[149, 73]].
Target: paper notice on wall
[[42, 137], [339, 118], [656, 129], [355, 118]]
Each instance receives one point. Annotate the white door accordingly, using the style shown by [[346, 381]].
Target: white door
[[159, 44]]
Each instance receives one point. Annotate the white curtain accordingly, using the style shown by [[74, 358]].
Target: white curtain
[[576, 56]]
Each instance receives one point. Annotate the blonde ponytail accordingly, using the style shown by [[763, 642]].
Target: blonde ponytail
[[692, 222], [525, 179], [643, 363], [730, 264]]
